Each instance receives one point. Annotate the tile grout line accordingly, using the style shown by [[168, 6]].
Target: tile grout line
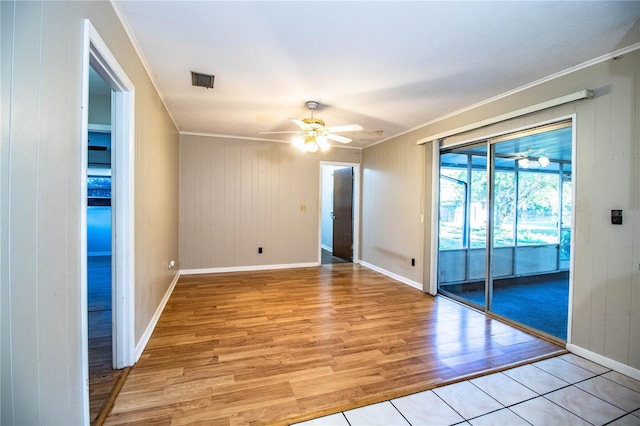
[[538, 395], [398, 410]]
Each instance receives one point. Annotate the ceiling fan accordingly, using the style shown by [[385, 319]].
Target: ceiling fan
[[313, 133], [528, 159]]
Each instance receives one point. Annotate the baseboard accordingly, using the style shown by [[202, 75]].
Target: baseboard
[[604, 361], [397, 277], [154, 320], [327, 248], [247, 268]]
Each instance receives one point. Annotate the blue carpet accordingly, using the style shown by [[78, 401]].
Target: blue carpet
[[540, 302]]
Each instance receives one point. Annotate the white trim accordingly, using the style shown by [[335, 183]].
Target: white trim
[[390, 274], [604, 361], [123, 141], [327, 248], [490, 137], [582, 94], [144, 339], [572, 243], [84, 160], [247, 268], [527, 86], [435, 219]]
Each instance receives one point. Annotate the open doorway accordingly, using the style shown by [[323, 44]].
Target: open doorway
[[339, 189], [102, 375], [106, 230]]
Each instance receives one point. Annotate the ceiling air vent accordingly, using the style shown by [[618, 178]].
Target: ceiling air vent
[[202, 80]]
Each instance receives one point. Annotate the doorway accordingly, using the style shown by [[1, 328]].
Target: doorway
[[339, 196], [102, 375], [108, 168], [505, 215]]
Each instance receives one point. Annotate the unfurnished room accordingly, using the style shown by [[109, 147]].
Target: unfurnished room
[[320, 212]]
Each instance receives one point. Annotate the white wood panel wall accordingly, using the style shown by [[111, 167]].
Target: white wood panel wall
[[40, 177], [392, 228], [238, 195], [606, 277]]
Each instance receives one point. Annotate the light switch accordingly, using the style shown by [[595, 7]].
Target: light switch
[[616, 217]]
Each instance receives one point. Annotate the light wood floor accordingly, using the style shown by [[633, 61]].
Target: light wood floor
[[102, 377], [281, 346]]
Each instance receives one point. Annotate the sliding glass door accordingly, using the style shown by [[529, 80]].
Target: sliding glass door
[[518, 204], [463, 224]]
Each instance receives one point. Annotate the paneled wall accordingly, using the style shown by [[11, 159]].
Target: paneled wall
[[40, 179], [392, 207], [238, 195], [605, 300]]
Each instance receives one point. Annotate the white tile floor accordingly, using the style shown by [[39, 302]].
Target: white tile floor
[[565, 390]]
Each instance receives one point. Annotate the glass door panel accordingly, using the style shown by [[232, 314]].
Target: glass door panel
[[565, 214], [531, 205], [463, 224]]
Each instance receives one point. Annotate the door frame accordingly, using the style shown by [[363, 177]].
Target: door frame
[[356, 208], [97, 55]]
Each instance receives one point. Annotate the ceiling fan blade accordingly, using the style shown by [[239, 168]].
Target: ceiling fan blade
[[338, 138], [300, 123], [345, 128]]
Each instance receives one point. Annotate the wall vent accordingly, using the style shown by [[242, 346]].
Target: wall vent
[[202, 80]]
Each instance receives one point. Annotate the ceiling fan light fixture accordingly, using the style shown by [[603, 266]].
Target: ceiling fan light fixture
[[524, 163], [544, 161], [323, 142], [313, 133], [311, 145], [298, 142]]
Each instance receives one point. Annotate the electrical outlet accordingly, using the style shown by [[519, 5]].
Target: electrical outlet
[[303, 207], [172, 264]]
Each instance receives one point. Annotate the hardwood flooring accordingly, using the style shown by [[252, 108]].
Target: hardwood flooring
[[281, 346], [102, 376], [328, 258]]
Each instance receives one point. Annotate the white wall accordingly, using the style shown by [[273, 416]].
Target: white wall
[[238, 195], [40, 205], [392, 207], [606, 281]]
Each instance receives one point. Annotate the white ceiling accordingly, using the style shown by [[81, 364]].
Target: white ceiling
[[389, 66]]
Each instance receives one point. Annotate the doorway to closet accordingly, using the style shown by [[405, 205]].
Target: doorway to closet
[[505, 215]]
